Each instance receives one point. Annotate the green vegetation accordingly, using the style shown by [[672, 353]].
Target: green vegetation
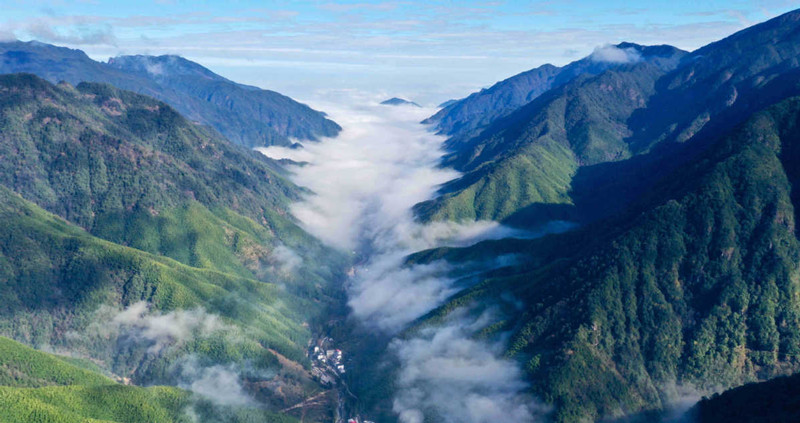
[[22, 366], [244, 114], [589, 147], [531, 156], [110, 200], [37, 387], [56, 277], [465, 118], [696, 285]]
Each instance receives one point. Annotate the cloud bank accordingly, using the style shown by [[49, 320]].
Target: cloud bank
[[287, 259], [137, 326], [365, 183], [159, 331], [448, 376], [614, 54]]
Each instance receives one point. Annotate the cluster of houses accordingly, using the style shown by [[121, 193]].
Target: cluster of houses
[[332, 358], [327, 367], [327, 363]]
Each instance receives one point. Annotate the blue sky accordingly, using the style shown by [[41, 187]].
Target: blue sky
[[425, 50]]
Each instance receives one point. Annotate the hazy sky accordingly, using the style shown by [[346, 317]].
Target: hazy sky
[[429, 51]]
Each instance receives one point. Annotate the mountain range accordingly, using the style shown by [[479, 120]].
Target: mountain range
[[244, 114], [114, 203], [145, 246], [683, 274], [571, 153]]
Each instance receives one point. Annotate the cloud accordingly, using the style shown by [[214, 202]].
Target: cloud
[[7, 35], [402, 46], [50, 30], [155, 330], [220, 384], [156, 69], [448, 376], [350, 7], [614, 54], [388, 295], [288, 260], [365, 183], [366, 179], [137, 327]]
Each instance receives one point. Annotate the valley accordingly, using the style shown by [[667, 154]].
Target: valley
[[387, 146], [611, 240]]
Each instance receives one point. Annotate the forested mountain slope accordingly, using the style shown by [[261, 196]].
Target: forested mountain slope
[[464, 118], [164, 217], [36, 387], [695, 286], [584, 150], [244, 114]]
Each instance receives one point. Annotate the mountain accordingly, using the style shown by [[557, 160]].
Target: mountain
[[584, 150], [464, 117], [447, 103], [394, 101], [532, 155], [114, 203], [37, 387], [694, 287], [245, 115]]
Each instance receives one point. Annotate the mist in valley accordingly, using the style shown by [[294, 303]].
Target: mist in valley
[[363, 186]]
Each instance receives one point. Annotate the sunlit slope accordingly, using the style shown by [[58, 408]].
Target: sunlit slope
[[696, 286], [586, 149], [55, 276], [465, 118], [36, 387], [154, 210], [131, 170]]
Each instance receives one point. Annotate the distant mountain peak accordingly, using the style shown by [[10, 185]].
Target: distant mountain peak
[[397, 101], [247, 115], [164, 65]]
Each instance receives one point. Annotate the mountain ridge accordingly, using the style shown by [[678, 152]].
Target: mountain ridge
[[244, 114]]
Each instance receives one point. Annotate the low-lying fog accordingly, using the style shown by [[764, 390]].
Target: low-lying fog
[[365, 182]]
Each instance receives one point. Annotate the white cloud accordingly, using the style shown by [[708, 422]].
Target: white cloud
[[614, 54], [432, 52], [365, 183], [70, 30], [155, 330], [447, 376], [220, 384], [288, 260]]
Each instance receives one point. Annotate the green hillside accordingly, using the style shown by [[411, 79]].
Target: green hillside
[[696, 285], [588, 148], [36, 387], [131, 170], [465, 118], [55, 277], [532, 156], [113, 200], [24, 367]]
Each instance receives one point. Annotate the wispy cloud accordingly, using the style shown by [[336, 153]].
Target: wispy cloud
[[440, 50]]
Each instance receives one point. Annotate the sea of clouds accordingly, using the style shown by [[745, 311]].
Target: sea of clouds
[[365, 183]]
